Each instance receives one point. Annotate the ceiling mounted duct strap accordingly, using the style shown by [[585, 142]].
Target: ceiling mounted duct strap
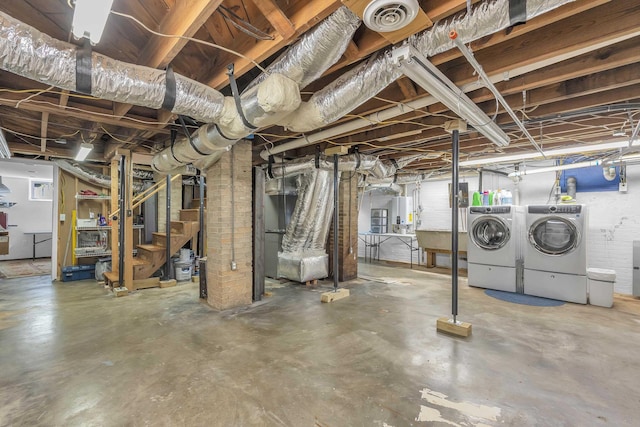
[[169, 100], [517, 11], [174, 134], [317, 157], [356, 151], [84, 65], [186, 132], [236, 97], [270, 168]]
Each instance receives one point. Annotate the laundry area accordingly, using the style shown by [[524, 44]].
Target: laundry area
[[291, 213]]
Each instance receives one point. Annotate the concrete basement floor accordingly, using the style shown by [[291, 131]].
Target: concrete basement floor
[[71, 354]]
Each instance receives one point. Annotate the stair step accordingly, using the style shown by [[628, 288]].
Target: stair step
[[181, 227], [195, 203], [189, 214]]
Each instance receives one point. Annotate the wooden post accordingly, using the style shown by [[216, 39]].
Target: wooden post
[[114, 206], [128, 225]]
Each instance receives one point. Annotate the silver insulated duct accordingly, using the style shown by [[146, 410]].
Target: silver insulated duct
[[29, 53], [303, 255], [366, 80]]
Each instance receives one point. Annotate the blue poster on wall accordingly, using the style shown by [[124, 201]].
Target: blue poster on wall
[[592, 178]]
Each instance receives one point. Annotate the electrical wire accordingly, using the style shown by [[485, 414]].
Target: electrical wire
[[191, 39], [243, 25]]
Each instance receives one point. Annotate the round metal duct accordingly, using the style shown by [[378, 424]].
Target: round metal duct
[[384, 16]]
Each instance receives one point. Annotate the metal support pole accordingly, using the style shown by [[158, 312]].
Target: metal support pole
[[201, 219], [121, 203], [455, 153], [335, 223], [168, 271]]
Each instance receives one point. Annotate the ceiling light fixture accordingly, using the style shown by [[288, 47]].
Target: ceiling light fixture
[[5, 153], [556, 168], [90, 18], [418, 68], [548, 153], [84, 151]]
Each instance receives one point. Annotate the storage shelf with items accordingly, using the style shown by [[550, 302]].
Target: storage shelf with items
[[92, 234]]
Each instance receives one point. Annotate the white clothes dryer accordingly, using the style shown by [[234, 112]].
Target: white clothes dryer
[[555, 256], [495, 250]]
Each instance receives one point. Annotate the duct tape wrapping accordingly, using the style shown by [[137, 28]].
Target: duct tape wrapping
[[317, 50], [344, 94], [485, 19], [303, 266]]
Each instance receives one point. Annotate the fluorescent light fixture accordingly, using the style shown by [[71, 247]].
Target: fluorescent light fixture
[[415, 66], [556, 168], [400, 135], [548, 153], [84, 151], [5, 153], [90, 18]]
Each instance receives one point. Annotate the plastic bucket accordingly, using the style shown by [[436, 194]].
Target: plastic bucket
[[185, 255], [183, 270]]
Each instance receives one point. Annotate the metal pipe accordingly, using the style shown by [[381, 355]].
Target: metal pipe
[[466, 52], [201, 219], [336, 265], [455, 152], [168, 274], [123, 188]]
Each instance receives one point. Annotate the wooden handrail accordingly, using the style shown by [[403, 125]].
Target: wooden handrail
[[159, 186]]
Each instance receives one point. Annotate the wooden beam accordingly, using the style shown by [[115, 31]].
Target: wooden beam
[[407, 88], [79, 111], [184, 19], [276, 17], [352, 50], [309, 15]]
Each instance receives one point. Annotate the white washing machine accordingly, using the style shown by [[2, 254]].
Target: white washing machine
[[555, 256], [495, 250]]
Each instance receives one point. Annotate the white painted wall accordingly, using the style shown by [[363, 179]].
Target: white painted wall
[[614, 218], [27, 215]]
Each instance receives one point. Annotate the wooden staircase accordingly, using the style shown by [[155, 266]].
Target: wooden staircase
[[152, 256]]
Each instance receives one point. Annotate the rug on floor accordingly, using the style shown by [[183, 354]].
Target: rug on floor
[[25, 267], [523, 299]]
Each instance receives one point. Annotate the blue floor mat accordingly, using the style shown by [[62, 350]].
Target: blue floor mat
[[523, 299]]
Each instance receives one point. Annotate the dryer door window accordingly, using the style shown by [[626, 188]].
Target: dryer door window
[[554, 235], [490, 233]]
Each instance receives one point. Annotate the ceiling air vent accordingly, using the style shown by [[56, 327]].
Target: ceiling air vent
[[384, 16]]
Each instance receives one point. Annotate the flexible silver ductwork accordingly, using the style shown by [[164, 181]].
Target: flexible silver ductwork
[[362, 163], [28, 52], [303, 255], [270, 98], [359, 85], [344, 94], [91, 176]]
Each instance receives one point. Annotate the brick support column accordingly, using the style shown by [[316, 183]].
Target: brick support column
[[228, 288], [348, 222]]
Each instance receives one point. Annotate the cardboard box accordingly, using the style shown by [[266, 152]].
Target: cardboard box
[[4, 242], [87, 222]]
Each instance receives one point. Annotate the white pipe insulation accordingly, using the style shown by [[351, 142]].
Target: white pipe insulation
[[370, 77]]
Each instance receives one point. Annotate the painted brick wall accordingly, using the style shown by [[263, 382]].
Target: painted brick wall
[[228, 288], [614, 218], [176, 201]]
